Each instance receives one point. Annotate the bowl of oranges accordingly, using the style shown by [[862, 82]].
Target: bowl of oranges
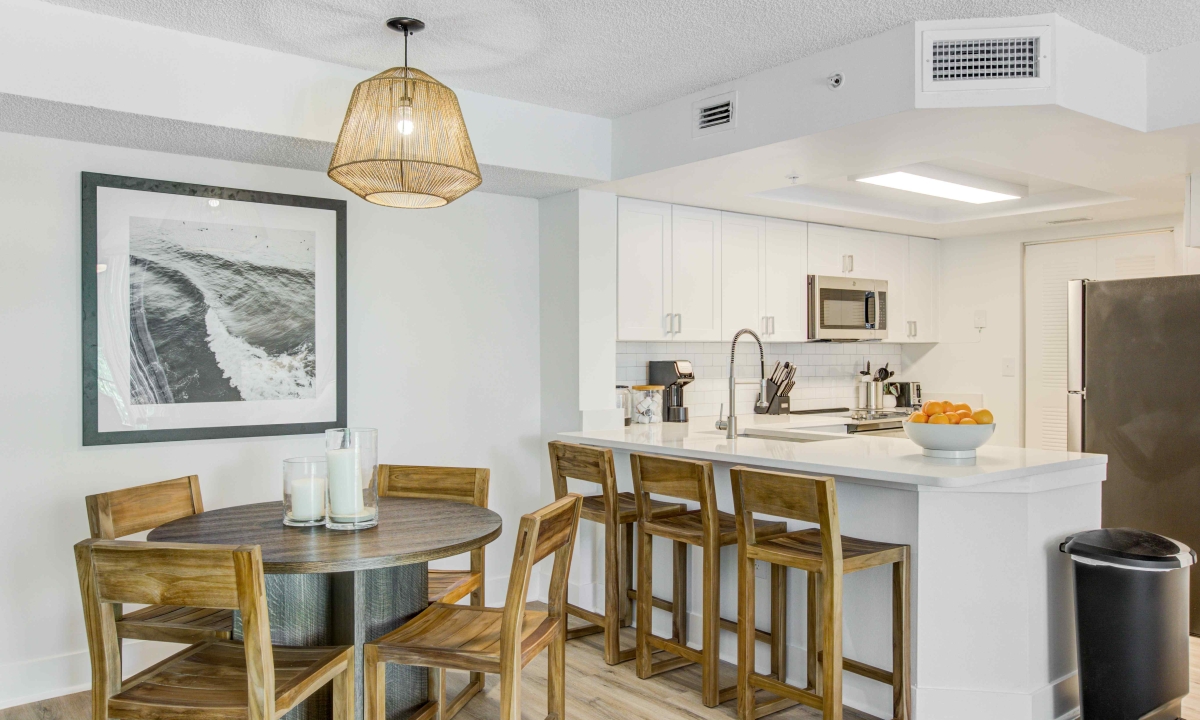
[[947, 429]]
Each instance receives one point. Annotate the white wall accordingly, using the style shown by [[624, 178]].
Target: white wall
[[984, 273], [443, 359]]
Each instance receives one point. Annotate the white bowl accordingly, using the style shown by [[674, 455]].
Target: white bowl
[[954, 441]]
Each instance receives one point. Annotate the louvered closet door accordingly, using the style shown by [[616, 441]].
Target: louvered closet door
[[1047, 269]]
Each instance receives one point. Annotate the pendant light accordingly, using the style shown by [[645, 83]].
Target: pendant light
[[404, 143]]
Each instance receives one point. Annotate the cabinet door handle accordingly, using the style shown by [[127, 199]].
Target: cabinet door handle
[[851, 262], [914, 328], [845, 264], [670, 323], [678, 322], [771, 320]]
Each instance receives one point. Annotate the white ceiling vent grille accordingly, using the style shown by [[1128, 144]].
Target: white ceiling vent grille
[[1004, 58], [999, 58], [714, 114]]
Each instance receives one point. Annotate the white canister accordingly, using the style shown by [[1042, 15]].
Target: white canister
[[647, 404]]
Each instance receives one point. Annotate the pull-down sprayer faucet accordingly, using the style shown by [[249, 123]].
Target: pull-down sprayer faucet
[[729, 425]]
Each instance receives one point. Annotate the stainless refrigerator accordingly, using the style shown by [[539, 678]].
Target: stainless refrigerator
[[1133, 393]]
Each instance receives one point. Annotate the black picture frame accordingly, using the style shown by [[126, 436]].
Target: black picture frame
[[91, 432]]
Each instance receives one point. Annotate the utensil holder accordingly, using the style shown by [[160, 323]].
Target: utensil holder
[[778, 405]]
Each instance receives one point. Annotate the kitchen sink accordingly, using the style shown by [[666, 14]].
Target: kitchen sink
[[799, 436]]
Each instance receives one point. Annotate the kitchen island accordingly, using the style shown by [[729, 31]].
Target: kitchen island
[[992, 614]]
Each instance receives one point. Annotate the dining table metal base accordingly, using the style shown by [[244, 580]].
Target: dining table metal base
[[350, 608]]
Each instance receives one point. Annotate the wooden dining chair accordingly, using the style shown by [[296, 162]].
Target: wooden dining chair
[[493, 640], [212, 679], [119, 513], [617, 512], [710, 530], [466, 485], [826, 555]]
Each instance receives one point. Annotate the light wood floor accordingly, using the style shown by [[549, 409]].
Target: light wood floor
[[595, 691]]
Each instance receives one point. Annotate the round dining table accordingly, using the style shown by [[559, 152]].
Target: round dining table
[[336, 587]]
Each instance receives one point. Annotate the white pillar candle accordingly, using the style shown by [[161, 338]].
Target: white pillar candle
[[308, 499], [345, 483]]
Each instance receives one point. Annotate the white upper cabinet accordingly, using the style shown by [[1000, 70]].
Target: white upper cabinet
[[841, 251], [644, 310], [692, 274], [891, 264], [743, 266], [696, 273], [668, 272], [786, 279], [921, 296]]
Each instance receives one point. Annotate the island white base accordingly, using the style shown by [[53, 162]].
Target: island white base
[[992, 611]]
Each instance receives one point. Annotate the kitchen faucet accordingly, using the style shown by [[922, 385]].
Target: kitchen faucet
[[729, 425]]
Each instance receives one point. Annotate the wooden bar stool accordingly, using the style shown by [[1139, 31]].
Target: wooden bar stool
[[251, 679], [493, 640], [826, 556], [710, 530], [617, 512], [119, 513], [466, 485]]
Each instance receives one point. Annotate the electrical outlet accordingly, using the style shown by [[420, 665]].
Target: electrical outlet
[[980, 319], [1008, 367], [761, 569]]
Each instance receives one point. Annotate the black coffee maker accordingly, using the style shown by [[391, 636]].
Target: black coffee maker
[[672, 375]]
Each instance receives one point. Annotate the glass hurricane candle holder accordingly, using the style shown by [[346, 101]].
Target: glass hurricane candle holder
[[351, 456], [304, 481]]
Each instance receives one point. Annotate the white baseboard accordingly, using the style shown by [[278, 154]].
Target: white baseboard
[[48, 677]]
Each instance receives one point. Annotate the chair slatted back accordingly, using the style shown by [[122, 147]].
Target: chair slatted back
[[677, 478], [540, 533], [787, 495], [467, 485], [590, 464], [115, 514], [220, 576]]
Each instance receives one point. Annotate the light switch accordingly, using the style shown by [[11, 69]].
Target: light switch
[[980, 319], [1008, 367]]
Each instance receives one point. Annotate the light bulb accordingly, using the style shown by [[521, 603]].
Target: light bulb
[[405, 124]]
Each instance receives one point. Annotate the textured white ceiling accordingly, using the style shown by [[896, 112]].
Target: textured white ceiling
[[611, 57]]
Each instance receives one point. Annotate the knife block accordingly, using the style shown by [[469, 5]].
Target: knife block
[[779, 405]]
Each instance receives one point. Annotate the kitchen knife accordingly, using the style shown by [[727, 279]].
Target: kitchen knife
[[787, 389]]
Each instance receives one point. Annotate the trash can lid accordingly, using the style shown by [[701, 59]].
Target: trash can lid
[[1130, 548]]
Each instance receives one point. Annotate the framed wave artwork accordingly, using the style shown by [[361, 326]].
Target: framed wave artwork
[[210, 312]]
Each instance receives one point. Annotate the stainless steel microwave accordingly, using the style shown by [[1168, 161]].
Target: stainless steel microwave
[[846, 308]]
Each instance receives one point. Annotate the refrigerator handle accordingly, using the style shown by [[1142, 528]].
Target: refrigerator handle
[[1076, 392]]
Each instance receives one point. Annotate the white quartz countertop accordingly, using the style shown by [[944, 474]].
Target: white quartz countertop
[[865, 457]]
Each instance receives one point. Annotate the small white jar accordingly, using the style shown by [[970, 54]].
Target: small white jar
[[647, 404]]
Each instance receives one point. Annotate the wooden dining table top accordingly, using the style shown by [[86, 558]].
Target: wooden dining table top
[[410, 530]]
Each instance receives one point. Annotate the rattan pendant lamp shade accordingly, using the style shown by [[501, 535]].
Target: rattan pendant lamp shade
[[404, 143]]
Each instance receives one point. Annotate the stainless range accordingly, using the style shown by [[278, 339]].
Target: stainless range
[[886, 423]]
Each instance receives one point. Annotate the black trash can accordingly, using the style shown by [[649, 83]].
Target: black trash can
[[1131, 616]]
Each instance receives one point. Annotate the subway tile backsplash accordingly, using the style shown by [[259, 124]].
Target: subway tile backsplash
[[826, 378]]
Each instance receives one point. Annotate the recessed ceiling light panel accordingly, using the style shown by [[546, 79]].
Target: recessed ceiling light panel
[[945, 183]]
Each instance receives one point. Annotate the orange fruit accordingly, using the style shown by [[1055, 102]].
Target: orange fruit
[[918, 417], [932, 408], [983, 417], [954, 418], [939, 419], [962, 407], [967, 421], [963, 413]]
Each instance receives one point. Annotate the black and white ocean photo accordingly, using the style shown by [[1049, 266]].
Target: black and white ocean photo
[[220, 312]]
